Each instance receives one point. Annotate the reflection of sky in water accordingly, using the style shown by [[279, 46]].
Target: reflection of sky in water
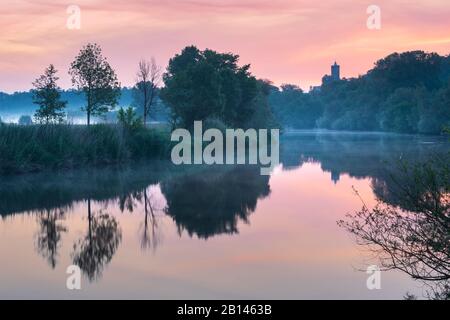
[[284, 243], [291, 248]]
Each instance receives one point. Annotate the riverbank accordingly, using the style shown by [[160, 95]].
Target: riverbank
[[35, 148]]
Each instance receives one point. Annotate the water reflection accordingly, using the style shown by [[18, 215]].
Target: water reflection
[[409, 228], [48, 236], [150, 235], [206, 202], [96, 249], [212, 203]]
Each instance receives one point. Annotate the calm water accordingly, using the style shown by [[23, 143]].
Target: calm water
[[159, 231]]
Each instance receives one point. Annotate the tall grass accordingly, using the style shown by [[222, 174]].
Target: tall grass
[[37, 147]]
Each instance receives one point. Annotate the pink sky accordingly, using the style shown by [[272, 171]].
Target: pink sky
[[286, 41]]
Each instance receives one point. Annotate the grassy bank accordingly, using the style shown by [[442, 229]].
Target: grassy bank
[[36, 148]]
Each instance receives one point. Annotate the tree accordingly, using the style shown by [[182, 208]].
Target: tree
[[201, 85], [93, 75], [47, 96], [146, 88], [412, 235], [25, 121], [128, 118], [95, 250]]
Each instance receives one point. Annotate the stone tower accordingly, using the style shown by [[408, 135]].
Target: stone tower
[[335, 72]]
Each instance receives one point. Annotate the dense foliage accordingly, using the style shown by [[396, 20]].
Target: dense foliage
[[48, 97], [202, 85], [407, 92], [92, 74]]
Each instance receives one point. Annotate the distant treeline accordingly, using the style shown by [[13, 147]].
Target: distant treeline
[[21, 103], [407, 92]]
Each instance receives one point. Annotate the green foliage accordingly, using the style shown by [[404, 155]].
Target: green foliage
[[207, 84], [407, 92], [35, 148], [93, 75], [293, 108], [401, 111], [47, 96], [128, 119]]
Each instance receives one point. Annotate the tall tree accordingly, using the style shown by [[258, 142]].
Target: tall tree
[[47, 96], [92, 74], [145, 91], [201, 85]]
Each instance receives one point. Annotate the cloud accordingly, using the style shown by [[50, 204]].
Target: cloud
[[284, 40]]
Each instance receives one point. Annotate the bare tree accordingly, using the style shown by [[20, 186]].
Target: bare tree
[[148, 78], [152, 239], [412, 235]]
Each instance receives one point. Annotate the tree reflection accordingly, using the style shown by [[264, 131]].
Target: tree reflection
[[213, 202], [130, 200], [149, 232], [49, 235], [412, 235], [93, 252], [150, 237]]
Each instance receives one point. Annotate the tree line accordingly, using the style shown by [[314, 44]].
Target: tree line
[[93, 76], [198, 85], [407, 92], [404, 92]]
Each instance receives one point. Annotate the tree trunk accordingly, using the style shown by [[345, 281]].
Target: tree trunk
[[145, 106], [90, 220], [88, 118]]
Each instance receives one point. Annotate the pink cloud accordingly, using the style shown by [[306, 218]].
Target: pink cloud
[[285, 40]]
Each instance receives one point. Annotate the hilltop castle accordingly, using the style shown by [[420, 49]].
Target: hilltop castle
[[335, 74]]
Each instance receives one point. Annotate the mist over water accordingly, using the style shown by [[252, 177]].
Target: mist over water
[[206, 232]]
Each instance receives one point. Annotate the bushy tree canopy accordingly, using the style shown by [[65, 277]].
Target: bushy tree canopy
[[92, 74], [47, 96], [202, 85]]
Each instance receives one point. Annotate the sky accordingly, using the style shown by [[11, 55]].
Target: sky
[[285, 41]]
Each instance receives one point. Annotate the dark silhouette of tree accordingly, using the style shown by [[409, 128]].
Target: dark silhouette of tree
[[47, 96], [207, 85], [146, 89], [214, 201], [414, 235], [150, 236], [93, 75], [149, 233], [49, 235], [129, 119], [93, 252]]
